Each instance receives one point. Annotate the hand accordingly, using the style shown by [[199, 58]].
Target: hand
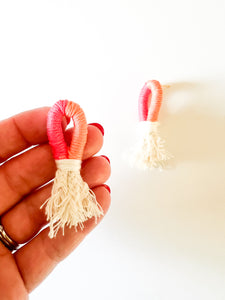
[[22, 193]]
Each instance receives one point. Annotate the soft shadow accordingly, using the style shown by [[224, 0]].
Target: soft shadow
[[192, 136], [182, 210], [194, 132]]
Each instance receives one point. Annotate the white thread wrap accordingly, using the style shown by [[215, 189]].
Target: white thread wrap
[[71, 202], [68, 164], [150, 150]]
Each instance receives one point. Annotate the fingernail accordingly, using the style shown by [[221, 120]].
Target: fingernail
[[99, 126], [107, 187], [106, 158]]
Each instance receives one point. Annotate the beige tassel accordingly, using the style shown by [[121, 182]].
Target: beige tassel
[[150, 151], [71, 202]]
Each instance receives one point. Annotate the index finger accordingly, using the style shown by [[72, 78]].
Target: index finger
[[22, 131]]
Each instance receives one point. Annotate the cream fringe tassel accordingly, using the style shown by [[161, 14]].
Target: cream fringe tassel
[[150, 151], [71, 202]]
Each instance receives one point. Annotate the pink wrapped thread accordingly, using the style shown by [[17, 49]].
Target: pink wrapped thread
[[150, 151], [150, 101], [71, 202]]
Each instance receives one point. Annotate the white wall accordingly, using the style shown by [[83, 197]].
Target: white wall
[[163, 238]]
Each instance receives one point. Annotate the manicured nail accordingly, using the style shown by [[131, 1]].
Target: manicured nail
[[106, 158], [107, 187], [99, 126]]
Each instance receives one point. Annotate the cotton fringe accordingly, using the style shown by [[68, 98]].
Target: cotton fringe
[[71, 202], [150, 151]]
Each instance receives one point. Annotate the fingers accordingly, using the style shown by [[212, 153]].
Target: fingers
[[39, 257], [95, 171], [94, 141], [11, 283], [24, 220], [23, 174], [23, 130], [26, 172]]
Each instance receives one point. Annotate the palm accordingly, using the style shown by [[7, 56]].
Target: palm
[[22, 193]]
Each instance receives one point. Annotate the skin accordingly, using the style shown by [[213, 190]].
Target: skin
[[22, 192]]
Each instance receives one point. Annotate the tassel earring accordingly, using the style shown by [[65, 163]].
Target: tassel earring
[[150, 151], [71, 202]]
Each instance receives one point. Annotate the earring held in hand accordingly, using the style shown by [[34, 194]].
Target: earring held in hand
[[71, 202], [150, 152]]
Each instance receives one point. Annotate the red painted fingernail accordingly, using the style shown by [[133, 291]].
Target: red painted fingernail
[[106, 158], [107, 187], [99, 126]]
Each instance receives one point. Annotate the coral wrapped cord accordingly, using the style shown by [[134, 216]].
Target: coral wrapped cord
[[71, 202], [150, 151]]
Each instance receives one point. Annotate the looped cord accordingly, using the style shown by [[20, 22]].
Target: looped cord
[[72, 111], [150, 101]]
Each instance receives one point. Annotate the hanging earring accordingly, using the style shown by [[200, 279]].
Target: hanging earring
[[72, 202], [150, 152]]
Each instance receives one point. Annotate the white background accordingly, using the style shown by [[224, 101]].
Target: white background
[[164, 237]]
